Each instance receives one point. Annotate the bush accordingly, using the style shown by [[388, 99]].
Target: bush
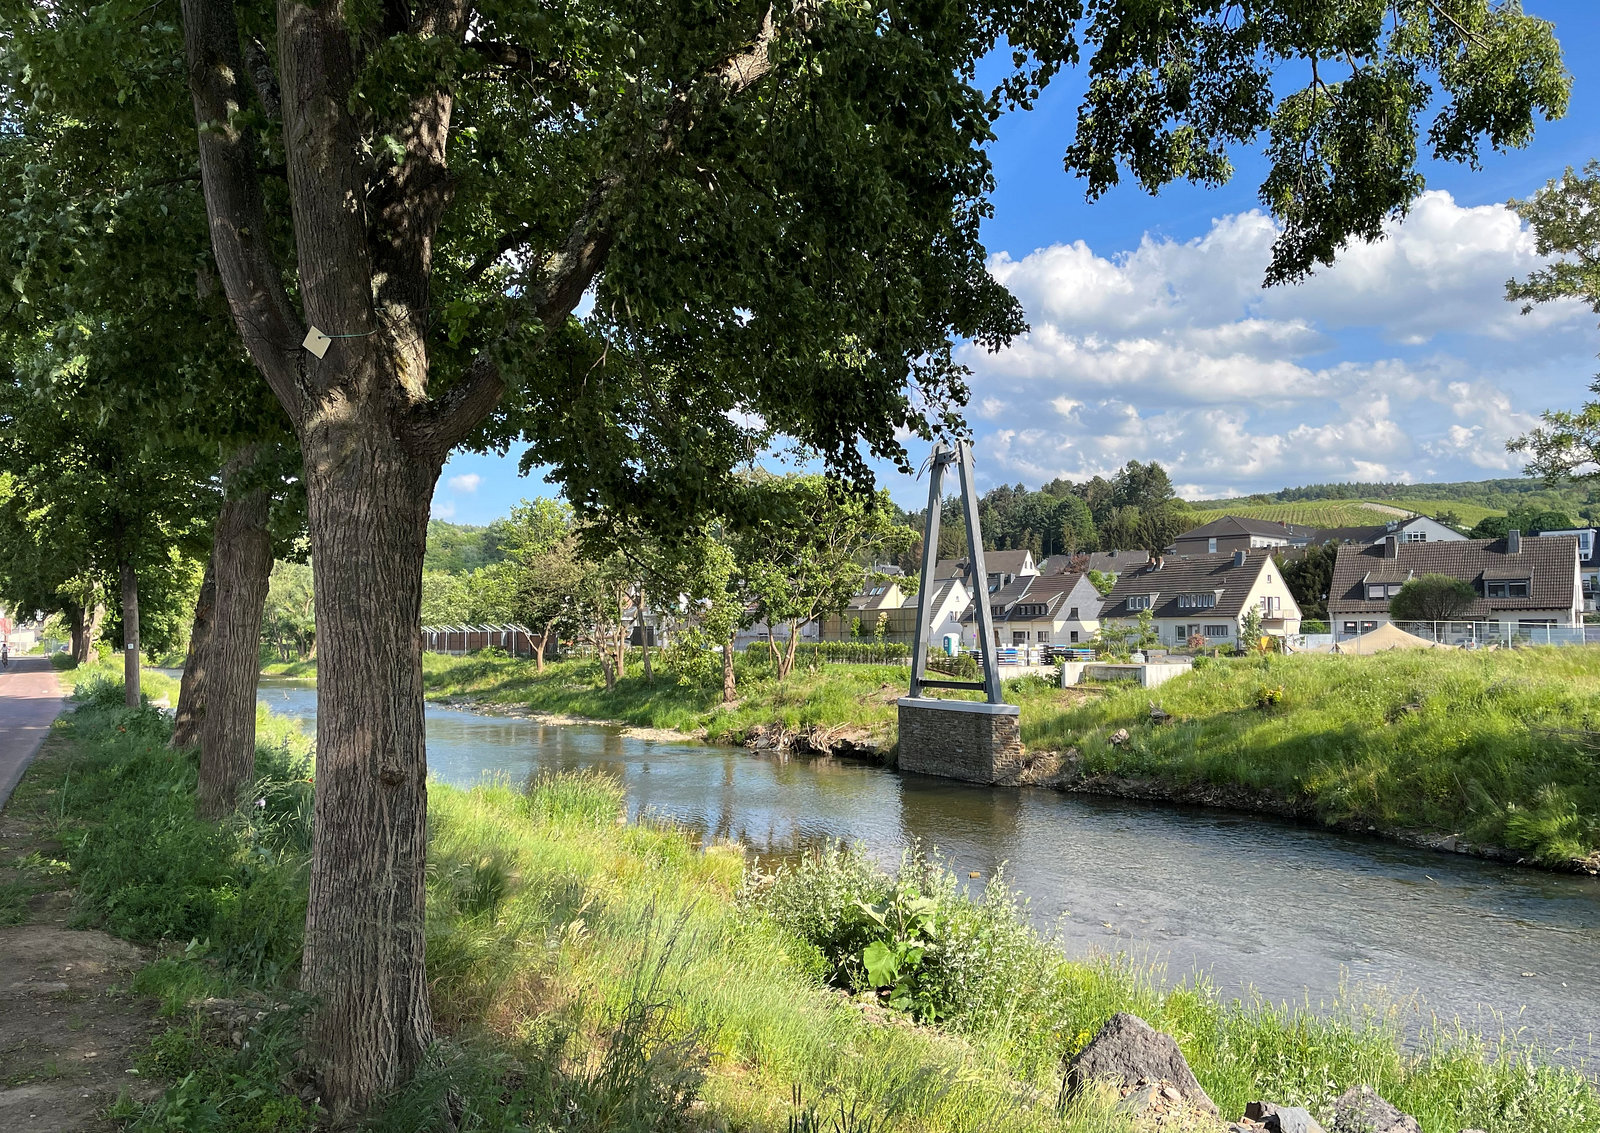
[[63, 660], [915, 938], [858, 652], [1313, 625]]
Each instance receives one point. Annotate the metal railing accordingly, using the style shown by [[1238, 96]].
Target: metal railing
[[1483, 635]]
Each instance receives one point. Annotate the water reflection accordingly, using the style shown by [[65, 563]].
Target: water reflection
[[1291, 911]]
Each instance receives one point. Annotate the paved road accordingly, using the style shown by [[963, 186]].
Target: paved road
[[29, 699]]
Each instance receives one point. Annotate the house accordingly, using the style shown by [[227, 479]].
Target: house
[[879, 595], [1521, 583], [1206, 596], [1236, 533], [1106, 562], [1039, 609], [946, 600], [1412, 529], [1003, 568], [1588, 562]]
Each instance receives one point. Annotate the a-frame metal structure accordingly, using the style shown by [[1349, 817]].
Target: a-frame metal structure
[[977, 575]]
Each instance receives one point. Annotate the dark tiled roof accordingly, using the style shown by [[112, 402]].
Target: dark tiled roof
[[1369, 534], [1189, 574], [1237, 525], [1549, 561], [1107, 562], [1029, 590], [995, 562]]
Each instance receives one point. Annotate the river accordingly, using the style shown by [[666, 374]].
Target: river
[[1291, 912]]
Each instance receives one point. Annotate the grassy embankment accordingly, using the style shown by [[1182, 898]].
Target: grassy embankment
[[1495, 747], [592, 974]]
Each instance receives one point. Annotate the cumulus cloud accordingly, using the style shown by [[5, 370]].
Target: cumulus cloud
[[467, 482], [1401, 362]]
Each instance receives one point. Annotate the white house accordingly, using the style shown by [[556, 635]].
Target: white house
[[1206, 596]]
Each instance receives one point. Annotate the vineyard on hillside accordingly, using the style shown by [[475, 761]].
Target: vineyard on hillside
[[1344, 513]]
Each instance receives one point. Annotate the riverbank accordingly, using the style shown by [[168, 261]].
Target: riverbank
[[582, 967], [1494, 752]]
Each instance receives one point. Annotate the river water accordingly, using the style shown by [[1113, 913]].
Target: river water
[[1290, 912]]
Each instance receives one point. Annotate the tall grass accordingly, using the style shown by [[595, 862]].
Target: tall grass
[[591, 973], [1495, 745]]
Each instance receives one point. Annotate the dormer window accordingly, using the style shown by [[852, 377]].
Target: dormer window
[[1505, 588], [1383, 590], [1202, 601], [1139, 602]]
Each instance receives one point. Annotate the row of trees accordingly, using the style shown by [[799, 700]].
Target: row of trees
[[770, 248]]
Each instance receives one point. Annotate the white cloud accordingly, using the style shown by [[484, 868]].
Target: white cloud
[[445, 509], [467, 482], [1401, 362]]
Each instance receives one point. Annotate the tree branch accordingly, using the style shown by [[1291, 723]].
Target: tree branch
[[567, 273], [251, 279]]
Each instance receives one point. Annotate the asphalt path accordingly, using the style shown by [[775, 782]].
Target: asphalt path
[[30, 698]]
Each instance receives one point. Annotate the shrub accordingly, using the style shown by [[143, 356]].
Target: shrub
[[858, 652], [63, 660]]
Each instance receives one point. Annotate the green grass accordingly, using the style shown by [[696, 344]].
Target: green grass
[[295, 669], [1491, 745], [588, 973], [830, 695]]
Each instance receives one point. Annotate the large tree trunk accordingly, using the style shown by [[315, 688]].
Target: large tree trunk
[[242, 554], [192, 689], [130, 635], [368, 509]]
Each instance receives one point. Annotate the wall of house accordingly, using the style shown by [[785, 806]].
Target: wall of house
[[1432, 529], [1270, 583]]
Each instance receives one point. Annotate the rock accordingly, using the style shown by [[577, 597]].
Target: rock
[[1118, 737], [1158, 716], [1128, 1051], [1292, 1119], [1140, 1100], [1361, 1110]]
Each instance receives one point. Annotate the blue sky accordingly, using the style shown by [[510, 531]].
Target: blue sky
[[1151, 338]]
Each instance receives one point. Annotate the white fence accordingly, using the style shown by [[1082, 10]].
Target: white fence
[[519, 641]]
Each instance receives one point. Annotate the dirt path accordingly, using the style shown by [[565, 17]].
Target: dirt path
[[69, 1025], [30, 698]]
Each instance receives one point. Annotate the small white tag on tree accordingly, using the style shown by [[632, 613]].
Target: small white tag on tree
[[316, 342]]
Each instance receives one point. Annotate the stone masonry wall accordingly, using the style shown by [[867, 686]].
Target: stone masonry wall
[[979, 747]]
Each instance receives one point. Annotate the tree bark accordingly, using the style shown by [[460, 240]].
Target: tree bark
[[192, 689], [786, 666], [130, 635], [728, 677], [242, 555], [368, 504], [75, 626]]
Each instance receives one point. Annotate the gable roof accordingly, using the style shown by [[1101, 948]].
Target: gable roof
[[1237, 525], [1107, 562], [1190, 574], [995, 562], [1548, 561], [1050, 591]]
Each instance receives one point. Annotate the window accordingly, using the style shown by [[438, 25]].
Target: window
[[1381, 590], [1350, 628], [1044, 635], [1074, 637], [1219, 631], [1139, 602], [1416, 537], [1019, 637], [1505, 588], [1271, 606], [1073, 613], [1197, 601], [1211, 545]]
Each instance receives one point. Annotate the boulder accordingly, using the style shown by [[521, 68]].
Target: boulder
[[1282, 1118], [1118, 737], [1361, 1110], [1127, 1052]]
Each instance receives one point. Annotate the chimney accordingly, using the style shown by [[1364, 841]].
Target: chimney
[[1513, 542], [1238, 558], [1391, 546]]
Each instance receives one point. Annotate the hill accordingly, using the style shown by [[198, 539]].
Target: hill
[[1470, 500]]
